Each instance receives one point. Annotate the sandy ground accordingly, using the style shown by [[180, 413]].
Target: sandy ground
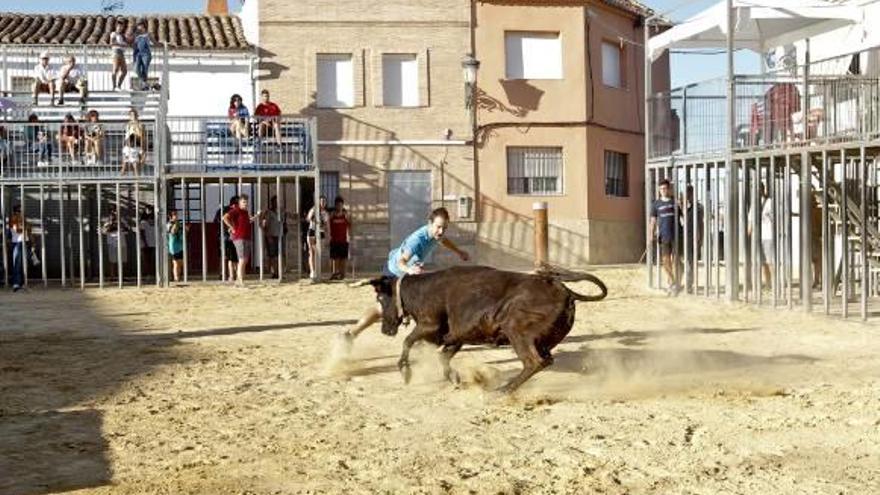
[[213, 390]]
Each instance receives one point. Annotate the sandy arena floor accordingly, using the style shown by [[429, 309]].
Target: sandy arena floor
[[213, 390]]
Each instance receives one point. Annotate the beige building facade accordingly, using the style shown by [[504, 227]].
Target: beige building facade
[[560, 119], [385, 81]]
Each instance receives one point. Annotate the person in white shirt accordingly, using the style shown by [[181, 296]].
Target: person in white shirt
[[119, 44], [72, 79], [766, 209], [44, 79]]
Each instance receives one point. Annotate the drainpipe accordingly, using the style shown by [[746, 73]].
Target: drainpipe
[[649, 251]]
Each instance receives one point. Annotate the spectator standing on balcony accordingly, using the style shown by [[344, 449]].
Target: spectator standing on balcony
[[175, 230], [4, 144], [94, 138], [238, 117], [142, 54], [38, 141], [238, 220], [19, 233], [268, 113], [72, 79], [340, 225], [119, 44], [135, 142], [44, 79], [316, 215], [70, 136], [227, 246]]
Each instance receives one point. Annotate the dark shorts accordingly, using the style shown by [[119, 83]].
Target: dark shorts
[[338, 250], [177, 256], [231, 255], [665, 248], [272, 246], [312, 233], [242, 248]]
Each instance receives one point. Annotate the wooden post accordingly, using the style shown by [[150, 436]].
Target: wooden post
[[541, 233]]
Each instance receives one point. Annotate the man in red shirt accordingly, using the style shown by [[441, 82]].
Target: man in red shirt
[[267, 113], [238, 221], [340, 224]]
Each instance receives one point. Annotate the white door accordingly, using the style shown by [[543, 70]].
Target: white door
[[409, 202]]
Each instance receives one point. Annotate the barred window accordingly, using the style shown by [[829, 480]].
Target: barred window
[[534, 170], [330, 187], [616, 174]]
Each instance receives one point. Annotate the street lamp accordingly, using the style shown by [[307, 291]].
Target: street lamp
[[470, 66]]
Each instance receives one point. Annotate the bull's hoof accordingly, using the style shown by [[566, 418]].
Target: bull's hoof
[[406, 372], [453, 377]]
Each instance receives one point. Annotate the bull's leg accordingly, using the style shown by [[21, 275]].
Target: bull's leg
[[532, 361], [421, 332], [446, 355]]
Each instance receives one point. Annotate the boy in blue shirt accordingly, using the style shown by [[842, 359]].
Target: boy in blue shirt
[[409, 258], [663, 227]]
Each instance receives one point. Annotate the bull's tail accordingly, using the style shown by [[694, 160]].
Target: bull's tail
[[564, 275]]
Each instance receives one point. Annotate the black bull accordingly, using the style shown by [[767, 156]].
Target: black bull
[[481, 305]]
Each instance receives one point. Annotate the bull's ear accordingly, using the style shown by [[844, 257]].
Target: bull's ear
[[381, 285]]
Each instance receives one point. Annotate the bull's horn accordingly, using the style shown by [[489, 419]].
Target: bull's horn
[[359, 283]]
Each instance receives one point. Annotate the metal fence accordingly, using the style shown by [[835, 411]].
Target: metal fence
[[76, 150], [769, 113], [205, 144]]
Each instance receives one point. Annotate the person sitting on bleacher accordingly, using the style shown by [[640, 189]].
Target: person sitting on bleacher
[[268, 113], [72, 79], [38, 141], [70, 137], [132, 154], [94, 138], [44, 79], [238, 117]]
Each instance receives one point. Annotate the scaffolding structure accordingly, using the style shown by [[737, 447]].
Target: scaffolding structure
[[93, 223], [796, 151]]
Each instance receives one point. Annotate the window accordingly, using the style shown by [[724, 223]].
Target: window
[[612, 70], [335, 81], [535, 171], [533, 55], [330, 187], [22, 84], [400, 80], [616, 174]]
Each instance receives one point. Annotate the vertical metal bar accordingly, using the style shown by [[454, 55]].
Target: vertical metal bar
[[63, 235], [24, 238], [682, 224], [43, 238], [826, 261], [707, 227], [758, 260], [684, 113], [299, 258], [202, 226], [5, 219], [863, 182], [730, 249], [281, 211], [718, 242], [806, 232], [649, 236], [239, 189], [137, 230], [222, 228], [742, 245], [789, 287], [318, 233], [79, 212], [100, 230], [157, 232], [774, 205], [119, 237], [844, 225], [185, 196], [259, 208]]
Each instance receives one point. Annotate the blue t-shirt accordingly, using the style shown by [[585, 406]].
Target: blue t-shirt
[[664, 211], [419, 245], [142, 44]]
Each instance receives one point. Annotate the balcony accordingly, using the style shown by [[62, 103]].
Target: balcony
[[75, 151], [691, 121], [215, 145]]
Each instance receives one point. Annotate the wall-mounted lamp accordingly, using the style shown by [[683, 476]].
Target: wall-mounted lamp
[[469, 66]]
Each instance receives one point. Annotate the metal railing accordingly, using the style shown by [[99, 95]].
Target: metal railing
[[74, 151], [692, 120], [206, 144]]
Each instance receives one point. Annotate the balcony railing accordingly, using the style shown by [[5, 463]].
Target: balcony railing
[[75, 151], [692, 120], [220, 144]]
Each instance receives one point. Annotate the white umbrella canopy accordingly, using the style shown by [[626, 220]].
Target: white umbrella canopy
[[760, 24]]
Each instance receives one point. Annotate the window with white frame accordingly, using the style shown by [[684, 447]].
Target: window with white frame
[[335, 84], [533, 55], [400, 80], [616, 174], [534, 170], [612, 69]]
